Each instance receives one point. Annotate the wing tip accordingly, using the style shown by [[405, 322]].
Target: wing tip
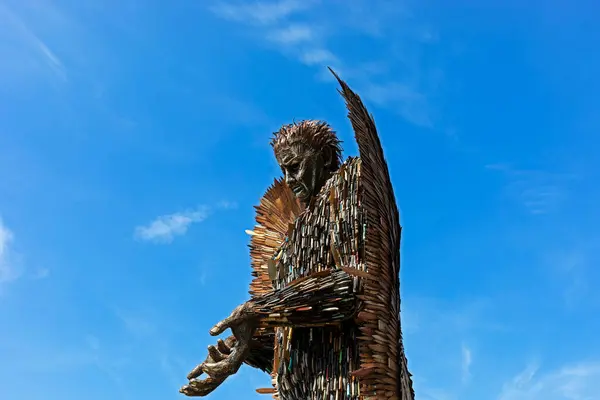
[[344, 86], [334, 74]]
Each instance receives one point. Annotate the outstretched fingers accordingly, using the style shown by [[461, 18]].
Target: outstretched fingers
[[215, 354], [196, 372], [223, 347], [200, 388], [227, 366], [223, 325], [241, 314]]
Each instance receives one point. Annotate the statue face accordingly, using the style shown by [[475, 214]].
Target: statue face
[[303, 170]]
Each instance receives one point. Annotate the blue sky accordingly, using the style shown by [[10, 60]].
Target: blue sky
[[134, 143]]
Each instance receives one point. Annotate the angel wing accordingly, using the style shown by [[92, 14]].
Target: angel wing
[[382, 248], [277, 210]]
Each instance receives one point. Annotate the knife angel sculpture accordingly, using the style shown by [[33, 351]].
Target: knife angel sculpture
[[324, 313]]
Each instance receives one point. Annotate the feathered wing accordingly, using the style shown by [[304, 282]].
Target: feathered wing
[[275, 214], [382, 251], [278, 209]]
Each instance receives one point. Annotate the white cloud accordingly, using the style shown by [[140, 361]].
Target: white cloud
[[306, 32], [575, 382], [467, 359], [164, 228], [318, 57], [292, 34], [7, 270]]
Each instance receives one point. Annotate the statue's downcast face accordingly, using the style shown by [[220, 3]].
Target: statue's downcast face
[[308, 153], [303, 170]]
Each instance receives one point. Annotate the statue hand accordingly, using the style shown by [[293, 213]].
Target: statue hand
[[199, 388], [229, 355], [241, 315], [215, 354], [242, 323]]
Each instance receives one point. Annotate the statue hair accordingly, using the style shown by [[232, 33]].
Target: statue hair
[[312, 135]]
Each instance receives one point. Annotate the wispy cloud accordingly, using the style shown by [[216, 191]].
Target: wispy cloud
[[428, 315], [412, 104], [574, 270], [166, 227], [437, 332], [574, 382], [306, 32], [8, 272], [261, 12], [227, 205], [539, 191], [292, 34], [135, 324], [15, 31], [41, 273], [466, 363], [318, 57], [150, 332]]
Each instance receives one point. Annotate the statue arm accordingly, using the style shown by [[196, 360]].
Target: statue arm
[[333, 295], [325, 297], [319, 299], [262, 350]]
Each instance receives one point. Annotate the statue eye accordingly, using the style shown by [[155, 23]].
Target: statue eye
[[293, 167]]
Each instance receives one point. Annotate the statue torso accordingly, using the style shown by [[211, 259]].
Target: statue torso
[[315, 363]]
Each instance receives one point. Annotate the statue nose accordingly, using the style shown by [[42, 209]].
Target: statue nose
[[288, 178]]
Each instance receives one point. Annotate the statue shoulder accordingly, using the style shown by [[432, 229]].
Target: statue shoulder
[[352, 162], [350, 169]]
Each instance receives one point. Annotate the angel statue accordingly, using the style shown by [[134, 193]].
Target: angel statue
[[323, 317]]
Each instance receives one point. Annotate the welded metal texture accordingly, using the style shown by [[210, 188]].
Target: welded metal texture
[[326, 280]]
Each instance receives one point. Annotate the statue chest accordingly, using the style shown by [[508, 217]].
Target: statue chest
[[329, 232], [307, 247]]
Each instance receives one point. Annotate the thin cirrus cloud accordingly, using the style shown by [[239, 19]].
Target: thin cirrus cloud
[[538, 191], [261, 13], [292, 34], [573, 382], [10, 265], [15, 29], [467, 359], [302, 30]]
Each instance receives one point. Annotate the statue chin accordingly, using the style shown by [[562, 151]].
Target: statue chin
[[301, 193], [304, 195]]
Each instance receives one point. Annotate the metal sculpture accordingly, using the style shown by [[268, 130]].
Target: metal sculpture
[[324, 313]]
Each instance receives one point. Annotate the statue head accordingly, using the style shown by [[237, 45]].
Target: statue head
[[308, 152]]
